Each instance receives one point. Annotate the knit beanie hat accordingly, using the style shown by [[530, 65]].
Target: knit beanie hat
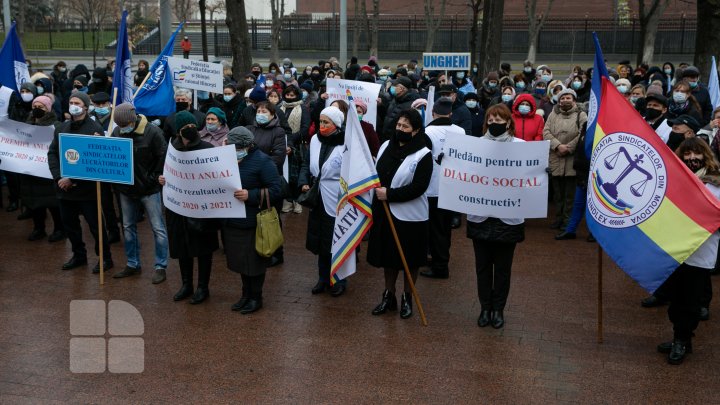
[[45, 101], [30, 87], [82, 97], [220, 114], [124, 114], [361, 104], [241, 137], [182, 118], [335, 115], [258, 94], [567, 91]]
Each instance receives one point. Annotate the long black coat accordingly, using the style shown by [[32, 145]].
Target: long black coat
[[191, 237], [382, 250], [39, 192]]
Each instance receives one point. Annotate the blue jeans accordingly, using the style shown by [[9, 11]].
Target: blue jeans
[[578, 209], [154, 210]]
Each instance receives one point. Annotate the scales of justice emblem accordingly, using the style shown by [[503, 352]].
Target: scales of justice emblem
[[628, 181]]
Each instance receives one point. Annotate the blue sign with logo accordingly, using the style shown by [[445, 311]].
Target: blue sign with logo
[[96, 158], [446, 61]]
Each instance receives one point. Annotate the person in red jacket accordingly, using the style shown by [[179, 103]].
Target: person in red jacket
[[186, 47], [528, 125]]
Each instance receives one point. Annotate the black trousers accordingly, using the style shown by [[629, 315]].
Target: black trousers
[[108, 206], [493, 263], [440, 236], [70, 212], [13, 185], [685, 286], [252, 286], [40, 214], [204, 269]]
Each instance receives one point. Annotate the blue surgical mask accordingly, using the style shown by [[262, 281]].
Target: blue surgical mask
[[240, 154], [520, 85], [634, 99], [40, 90], [693, 84], [268, 83], [262, 118], [75, 110], [203, 95], [127, 130], [492, 85], [382, 78], [527, 69], [228, 98], [668, 71], [287, 76], [102, 111], [460, 75], [546, 78], [540, 91], [507, 98], [304, 94], [622, 89], [393, 91], [524, 109], [471, 104], [474, 70], [679, 97], [360, 116], [576, 85], [212, 127]]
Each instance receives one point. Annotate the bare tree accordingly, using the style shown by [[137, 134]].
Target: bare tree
[[239, 37], [649, 19], [491, 36], [183, 10], [94, 13], [277, 9], [57, 8], [432, 22], [475, 7], [215, 7], [707, 40], [535, 24], [203, 29], [356, 28], [374, 28]]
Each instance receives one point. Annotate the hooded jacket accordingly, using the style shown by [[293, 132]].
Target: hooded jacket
[[528, 127], [149, 148]]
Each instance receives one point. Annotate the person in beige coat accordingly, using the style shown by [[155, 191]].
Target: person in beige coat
[[562, 129]]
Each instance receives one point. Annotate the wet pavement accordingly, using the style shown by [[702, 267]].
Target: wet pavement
[[302, 348]]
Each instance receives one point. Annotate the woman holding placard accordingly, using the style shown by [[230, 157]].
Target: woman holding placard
[[494, 239]]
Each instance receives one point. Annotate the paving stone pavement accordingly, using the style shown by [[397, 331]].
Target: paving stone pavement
[[318, 349]]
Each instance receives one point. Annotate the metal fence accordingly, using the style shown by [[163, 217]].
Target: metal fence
[[675, 35]]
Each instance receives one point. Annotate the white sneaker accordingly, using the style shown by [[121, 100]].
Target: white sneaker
[[287, 206], [297, 208]]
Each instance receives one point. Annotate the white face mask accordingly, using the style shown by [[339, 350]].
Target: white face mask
[[75, 110], [26, 97]]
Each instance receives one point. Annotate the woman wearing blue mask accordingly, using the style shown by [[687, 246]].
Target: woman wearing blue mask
[[216, 128], [669, 73], [682, 102], [233, 105]]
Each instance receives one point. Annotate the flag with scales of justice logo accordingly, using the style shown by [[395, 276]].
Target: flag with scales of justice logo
[[354, 213]]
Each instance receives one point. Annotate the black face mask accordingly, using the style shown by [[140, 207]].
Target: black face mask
[[181, 105], [256, 73], [289, 100], [37, 113], [652, 114], [403, 136], [78, 86], [497, 129], [190, 133], [694, 164]]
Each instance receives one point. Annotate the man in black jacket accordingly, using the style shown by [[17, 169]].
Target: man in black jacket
[[403, 96], [460, 113], [149, 149], [77, 196], [691, 74]]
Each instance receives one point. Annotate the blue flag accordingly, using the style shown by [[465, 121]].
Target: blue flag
[[13, 69], [599, 71], [157, 97], [123, 78]]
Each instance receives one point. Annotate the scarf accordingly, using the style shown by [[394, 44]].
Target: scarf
[[505, 137], [678, 109], [295, 117], [334, 139]]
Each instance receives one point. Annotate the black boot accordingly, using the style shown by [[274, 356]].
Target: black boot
[[678, 351], [388, 303], [484, 318], [406, 305], [202, 292], [497, 319], [187, 285]]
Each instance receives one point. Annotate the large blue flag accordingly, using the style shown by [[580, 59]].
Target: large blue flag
[[157, 97], [599, 71], [122, 78], [13, 69]]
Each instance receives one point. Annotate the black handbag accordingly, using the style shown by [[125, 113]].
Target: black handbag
[[310, 198]]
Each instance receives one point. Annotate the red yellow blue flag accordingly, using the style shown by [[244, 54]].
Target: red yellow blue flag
[[645, 208]]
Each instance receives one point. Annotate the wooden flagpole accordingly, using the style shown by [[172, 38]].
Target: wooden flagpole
[[600, 296], [147, 76], [98, 187], [405, 265]]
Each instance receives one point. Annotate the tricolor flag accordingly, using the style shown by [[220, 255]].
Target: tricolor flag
[[354, 214], [645, 208], [157, 96], [123, 77], [13, 68]]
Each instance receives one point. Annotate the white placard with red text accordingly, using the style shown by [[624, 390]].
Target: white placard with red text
[[23, 148], [367, 92]]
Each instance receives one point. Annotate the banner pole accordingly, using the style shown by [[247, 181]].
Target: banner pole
[[112, 112], [405, 265], [600, 296], [100, 233], [147, 76]]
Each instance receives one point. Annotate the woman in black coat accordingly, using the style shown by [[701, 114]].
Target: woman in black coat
[[191, 237], [404, 166], [257, 172]]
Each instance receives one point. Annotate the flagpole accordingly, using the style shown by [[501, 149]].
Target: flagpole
[[100, 233], [405, 265], [147, 76], [600, 296], [112, 113]]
